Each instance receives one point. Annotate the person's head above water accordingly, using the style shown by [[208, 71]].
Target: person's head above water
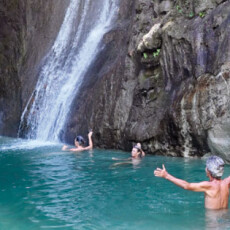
[[79, 140], [215, 166], [136, 152]]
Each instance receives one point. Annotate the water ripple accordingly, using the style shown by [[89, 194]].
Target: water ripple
[[44, 188]]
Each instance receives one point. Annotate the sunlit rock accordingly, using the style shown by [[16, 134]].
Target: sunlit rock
[[165, 7], [152, 40], [219, 139]]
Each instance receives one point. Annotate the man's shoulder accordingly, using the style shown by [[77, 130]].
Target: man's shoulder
[[226, 180], [206, 183]]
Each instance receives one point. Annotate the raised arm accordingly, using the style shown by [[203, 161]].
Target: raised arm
[[142, 152], [80, 148], [196, 187], [90, 141]]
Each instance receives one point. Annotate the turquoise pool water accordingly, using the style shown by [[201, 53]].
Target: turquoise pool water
[[42, 187]]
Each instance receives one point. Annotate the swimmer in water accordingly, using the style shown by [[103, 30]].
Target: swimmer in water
[[79, 144], [216, 190], [136, 155], [142, 152], [136, 151]]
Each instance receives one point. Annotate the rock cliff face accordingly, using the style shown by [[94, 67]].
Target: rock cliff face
[[162, 77], [194, 61], [28, 29], [168, 86]]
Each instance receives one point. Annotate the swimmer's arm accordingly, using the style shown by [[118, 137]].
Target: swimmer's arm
[[196, 187], [115, 159], [90, 142], [123, 163], [75, 142], [76, 149], [65, 148], [142, 152], [120, 159]]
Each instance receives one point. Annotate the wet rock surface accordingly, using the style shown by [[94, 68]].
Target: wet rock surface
[[170, 90], [28, 29]]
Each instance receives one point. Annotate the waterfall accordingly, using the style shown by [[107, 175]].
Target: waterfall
[[74, 50]]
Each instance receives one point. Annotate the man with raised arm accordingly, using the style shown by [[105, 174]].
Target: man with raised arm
[[216, 190], [79, 144]]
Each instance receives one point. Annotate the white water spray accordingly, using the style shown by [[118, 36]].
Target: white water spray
[[75, 48]]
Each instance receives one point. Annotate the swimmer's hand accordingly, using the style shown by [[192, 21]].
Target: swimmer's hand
[[142, 152], [75, 142], [90, 134], [161, 172], [115, 159], [65, 147]]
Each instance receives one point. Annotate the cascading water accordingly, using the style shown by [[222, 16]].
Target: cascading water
[[75, 48]]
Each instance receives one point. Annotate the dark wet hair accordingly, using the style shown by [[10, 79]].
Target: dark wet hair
[[139, 150], [136, 147], [80, 140]]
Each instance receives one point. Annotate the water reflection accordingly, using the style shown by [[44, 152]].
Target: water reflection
[[217, 219], [91, 153]]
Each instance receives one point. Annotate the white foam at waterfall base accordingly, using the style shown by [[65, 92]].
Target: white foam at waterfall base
[[17, 144], [66, 65]]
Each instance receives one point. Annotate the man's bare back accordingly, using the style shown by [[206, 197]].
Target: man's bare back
[[216, 190], [216, 196]]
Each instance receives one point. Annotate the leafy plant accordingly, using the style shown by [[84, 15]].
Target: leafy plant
[[145, 55], [202, 14], [191, 14], [156, 53], [179, 9]]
